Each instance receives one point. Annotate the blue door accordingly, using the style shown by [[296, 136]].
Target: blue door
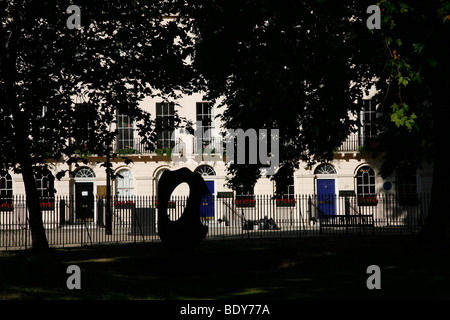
[[326, 197], [207, 207]]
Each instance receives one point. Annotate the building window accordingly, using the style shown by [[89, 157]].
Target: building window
[[325, 168], [205, 171], [365, 182], [368, 132], [245, 196], [6, 192], [366, 186], [45, 183], [284, 186], [406, 182], [204, 117], [125, 184], [85, 173], [284, 191], [125, 132], [165, 125], [83, 126]]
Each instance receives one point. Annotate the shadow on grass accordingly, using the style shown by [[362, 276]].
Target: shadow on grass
[[306, 268]]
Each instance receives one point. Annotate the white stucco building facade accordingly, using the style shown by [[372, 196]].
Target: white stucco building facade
[[351, 173]]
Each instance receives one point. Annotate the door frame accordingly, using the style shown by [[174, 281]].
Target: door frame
[[91, 186], [328, 177], [94, 192], [214, 197]]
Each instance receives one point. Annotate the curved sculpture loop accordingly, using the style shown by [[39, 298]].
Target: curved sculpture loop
[[188, 231]]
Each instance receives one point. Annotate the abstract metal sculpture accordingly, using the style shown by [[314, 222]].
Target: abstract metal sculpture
[[187, 232]]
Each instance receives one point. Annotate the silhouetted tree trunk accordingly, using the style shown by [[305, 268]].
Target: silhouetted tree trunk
[[39, 239], [22, 145]]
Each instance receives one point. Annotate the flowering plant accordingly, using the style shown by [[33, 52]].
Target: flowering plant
[[286, 202], [124, 204], [367, 201], [47, 205], [6, 206], [245, 202]]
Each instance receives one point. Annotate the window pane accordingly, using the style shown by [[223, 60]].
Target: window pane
[[45, 186], [365, 182], [158, 109], [206, 123], [365, 178], [125, 138], [165, 124]]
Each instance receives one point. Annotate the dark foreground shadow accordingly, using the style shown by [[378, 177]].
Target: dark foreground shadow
[[266, 269]]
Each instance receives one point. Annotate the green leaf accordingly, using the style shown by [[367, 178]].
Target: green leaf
[[403, 80], [404, 7], [400, 117]]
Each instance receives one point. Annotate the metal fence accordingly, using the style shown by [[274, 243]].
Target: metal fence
[[89, 221]]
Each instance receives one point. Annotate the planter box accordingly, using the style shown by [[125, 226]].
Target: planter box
[[124, 204], [367, 201], [245, 203], [47, 205], [6, 207], [285, 202]]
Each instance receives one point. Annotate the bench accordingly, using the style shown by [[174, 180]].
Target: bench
[[347, 221]]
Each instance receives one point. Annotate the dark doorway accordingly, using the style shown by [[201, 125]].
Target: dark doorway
[[84, 201], [326, 197], [207, 208]]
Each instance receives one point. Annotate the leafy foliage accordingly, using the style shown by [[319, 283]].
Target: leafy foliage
[[412, 81], [69, 84], [61, 88], [298, 66]]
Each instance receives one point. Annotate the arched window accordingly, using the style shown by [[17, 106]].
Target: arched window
[[325, 168], [45, 183], [205, 170], [6, 192], [365, 182], [85, 173], [125, 183]]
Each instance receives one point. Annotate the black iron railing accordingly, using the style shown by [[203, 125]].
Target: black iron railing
[[134, 219]]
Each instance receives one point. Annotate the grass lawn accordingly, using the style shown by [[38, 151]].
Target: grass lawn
[[302, 268]]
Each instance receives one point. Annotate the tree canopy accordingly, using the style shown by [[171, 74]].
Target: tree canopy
[[61, 88], [299, 66], [415, 96], [413, 45]]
